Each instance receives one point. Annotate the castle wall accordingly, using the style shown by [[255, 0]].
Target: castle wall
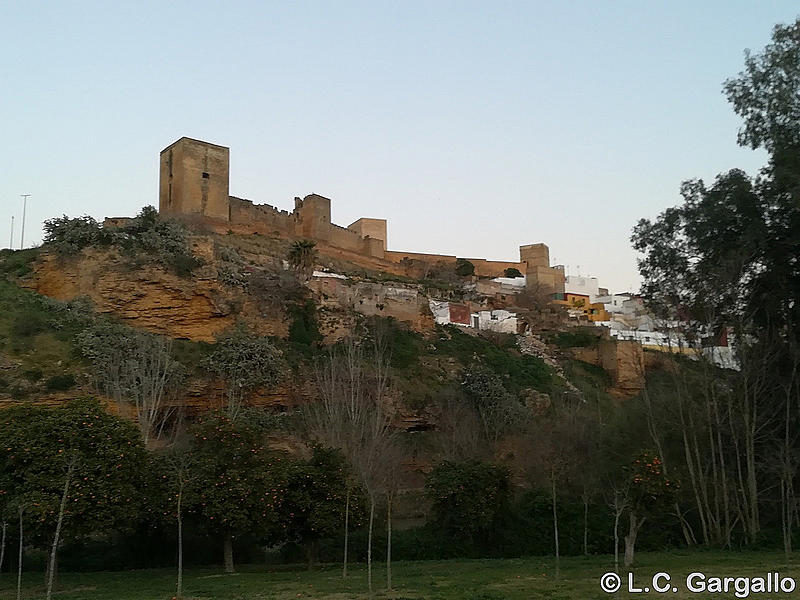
[[262, 218], [483, 267], [194, 184]]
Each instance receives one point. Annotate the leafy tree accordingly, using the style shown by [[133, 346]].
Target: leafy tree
[[726, 260], [241, 482], [765, 93], [650, 492], [512, 272], [302, 256], [468, 498], [74, 469], [245, 362], [464, 268], [315, 498]]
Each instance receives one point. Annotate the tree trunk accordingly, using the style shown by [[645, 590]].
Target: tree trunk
[[369, 541], [555, 522], [179, 583], [389, 541], [616, 539], [346, 531], [54, 550], [228, 553], [585, 525], [311, 550], [630, 540], [3, 546], [19, 565]]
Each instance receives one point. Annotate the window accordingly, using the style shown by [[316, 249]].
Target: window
[[205, 175]]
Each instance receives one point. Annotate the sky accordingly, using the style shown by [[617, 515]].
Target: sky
[[472, 127]]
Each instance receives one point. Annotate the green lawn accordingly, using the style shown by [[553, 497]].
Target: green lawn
[[512, 579]]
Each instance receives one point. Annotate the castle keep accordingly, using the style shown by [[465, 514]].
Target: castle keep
[[194, 186]]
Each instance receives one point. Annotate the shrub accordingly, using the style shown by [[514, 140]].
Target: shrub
[[17, 262], [512, 272], [304, 329], [32, 375], [65, 235], [148, 234], [274, 289], [577, 338], [464, 268], [28, 323], [60, 383]]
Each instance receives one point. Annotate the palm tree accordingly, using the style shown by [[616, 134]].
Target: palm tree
[[302, 257]]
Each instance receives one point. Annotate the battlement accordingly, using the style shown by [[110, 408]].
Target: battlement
[[194, 185]]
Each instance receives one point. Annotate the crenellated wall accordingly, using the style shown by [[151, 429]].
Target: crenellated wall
[[194, 185]]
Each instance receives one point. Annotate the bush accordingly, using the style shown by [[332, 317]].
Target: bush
[[60, 383], [66, 236], [578, 337], [148, 234], [464, 268], [32, 375], [512, 272], [518, 370], [17, 263], [28, 323], [304, 329], [468, 498]]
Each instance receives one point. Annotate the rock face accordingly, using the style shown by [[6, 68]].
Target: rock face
[[339, 299], [147, 297]]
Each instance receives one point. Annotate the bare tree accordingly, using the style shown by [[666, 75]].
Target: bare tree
[[459, 429], [618, 504], [21, 511], [151, 378], [354, 415], [136, 368], [56, 537], [3, 545], [181, 474]]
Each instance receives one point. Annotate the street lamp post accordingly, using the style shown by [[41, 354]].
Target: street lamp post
[[24, 206]]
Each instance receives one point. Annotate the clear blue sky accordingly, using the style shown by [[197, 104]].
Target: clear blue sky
[[473, 127]]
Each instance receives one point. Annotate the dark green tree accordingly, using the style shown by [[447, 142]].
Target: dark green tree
[[464, 268], [241, 483], [314, 502], [467, 498], [74, 469]]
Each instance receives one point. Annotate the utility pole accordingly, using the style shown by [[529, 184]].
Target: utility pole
[[24, 206], [11, 242]]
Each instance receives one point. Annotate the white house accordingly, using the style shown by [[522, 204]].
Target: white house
[[586, 286]]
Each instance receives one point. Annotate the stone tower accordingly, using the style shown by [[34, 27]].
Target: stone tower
[[194, 180]]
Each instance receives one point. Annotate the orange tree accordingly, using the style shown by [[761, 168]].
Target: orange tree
[[314, 505], [37, 445], [239, 482], [650, 493]]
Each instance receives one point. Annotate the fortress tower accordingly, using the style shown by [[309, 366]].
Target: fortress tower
[[194, 180]]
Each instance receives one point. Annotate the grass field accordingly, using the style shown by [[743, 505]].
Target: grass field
[[510, 579]]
